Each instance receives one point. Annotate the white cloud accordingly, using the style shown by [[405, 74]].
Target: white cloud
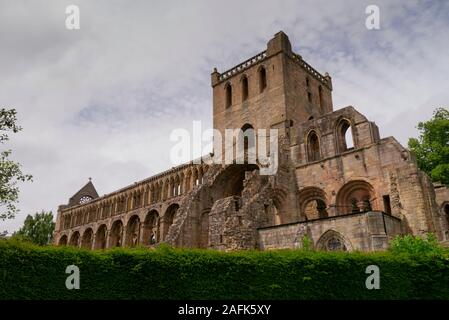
[[102, 101]]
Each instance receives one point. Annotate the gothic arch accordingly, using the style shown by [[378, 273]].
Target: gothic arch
[[332, 240], [356, 196], [313, 146], [249, 144], [344, 135]]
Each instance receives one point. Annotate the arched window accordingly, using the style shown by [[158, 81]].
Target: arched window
[[249, 145], [355, 196], [333, 241], [345, 139], [316, 209], [313, 147], [262, 79], [313, 203], [228, 91], [244, 88], [85, 199]]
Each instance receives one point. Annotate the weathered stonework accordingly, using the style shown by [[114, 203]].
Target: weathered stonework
[[338, 182]]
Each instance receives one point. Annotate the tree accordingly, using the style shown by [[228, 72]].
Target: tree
[[37, 229], [10, 171], [432, 147]]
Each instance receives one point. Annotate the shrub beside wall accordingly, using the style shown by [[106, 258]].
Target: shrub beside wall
[[31, 272]]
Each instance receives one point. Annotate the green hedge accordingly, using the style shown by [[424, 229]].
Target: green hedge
[[31, 272]]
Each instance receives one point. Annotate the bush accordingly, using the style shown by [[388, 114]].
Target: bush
[[412, 245], [33, 272]]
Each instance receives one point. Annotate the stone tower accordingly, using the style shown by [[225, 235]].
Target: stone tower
[[274, 89]]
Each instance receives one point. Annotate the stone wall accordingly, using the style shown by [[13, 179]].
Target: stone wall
[[362, 231]]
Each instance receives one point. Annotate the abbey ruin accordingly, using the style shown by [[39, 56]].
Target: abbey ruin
[[337, 182]]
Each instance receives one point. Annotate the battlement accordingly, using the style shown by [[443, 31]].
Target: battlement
[[242, 66], [283, 45]]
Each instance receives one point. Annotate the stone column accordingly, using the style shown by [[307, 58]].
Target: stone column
[[92, 246], [107, 240]]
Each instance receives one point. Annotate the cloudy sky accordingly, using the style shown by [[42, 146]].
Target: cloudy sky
[[101, 101]]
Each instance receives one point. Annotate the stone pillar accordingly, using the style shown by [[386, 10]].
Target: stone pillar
[[141, 233], [92, 245], [107, 240]]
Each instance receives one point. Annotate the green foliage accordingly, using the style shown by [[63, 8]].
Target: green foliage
[[10, 171], [412, 245], [307, 244], [432, 146], [33, 272], [37, 229]]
